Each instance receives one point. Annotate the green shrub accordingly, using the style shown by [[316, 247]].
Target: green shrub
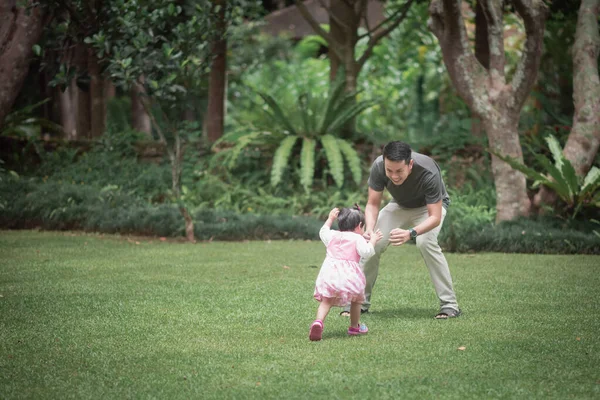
[[109, 168], [303, 132], [470, 212], [248, 191], [31, 203], [575, 191], [230, 226], [118, 113], [469, 227], [538, 236]]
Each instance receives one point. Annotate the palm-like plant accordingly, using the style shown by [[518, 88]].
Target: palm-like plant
[[311, 125], [22, 123], [560, 176]]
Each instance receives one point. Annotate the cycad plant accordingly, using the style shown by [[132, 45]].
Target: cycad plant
[[23, 123], [560, 176], [300, 131]]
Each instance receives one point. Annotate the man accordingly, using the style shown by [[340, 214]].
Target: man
[[416, 211]]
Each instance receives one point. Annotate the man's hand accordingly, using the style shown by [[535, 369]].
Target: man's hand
[[399, 236]]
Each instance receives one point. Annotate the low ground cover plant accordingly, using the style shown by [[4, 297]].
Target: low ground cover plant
[[469, 226]]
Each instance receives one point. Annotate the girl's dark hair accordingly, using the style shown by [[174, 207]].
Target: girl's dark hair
[[397, 151], [350, 218]]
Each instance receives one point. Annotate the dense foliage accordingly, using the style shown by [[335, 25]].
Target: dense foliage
[[302, 131], [80, 198], [282, 165]]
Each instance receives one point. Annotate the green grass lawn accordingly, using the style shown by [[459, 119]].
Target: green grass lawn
[[90, 316]]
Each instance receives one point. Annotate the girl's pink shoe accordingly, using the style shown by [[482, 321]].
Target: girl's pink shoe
[[360, 330], [316, 330]]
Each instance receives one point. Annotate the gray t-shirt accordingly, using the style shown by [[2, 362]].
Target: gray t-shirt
[[423, 186]]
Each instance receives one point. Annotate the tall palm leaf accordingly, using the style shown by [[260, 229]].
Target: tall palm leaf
[[278, 115], [561, 177], [346, 115], [280, 159], [336, 92], [352, 159], [310, 120], [307, 163], [334, 158]]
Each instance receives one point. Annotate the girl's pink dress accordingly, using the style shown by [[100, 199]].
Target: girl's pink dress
[[341, 278]]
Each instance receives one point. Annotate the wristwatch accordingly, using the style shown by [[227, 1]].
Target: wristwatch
[[413, 233]]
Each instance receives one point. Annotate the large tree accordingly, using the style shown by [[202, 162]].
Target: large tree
[[345, 19], [487, 91], [215, 114], [583, 142], [164, 64], [74, 68], [21, 27]]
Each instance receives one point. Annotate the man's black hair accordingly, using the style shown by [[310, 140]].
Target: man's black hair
[[350, 218], [397, 151]]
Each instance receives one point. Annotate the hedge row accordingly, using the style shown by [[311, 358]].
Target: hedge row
[[54, 206], [58, 206]]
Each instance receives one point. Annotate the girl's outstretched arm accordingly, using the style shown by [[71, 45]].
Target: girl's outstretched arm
[[325, 233]]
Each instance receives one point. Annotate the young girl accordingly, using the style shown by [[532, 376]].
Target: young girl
[[341, 280]]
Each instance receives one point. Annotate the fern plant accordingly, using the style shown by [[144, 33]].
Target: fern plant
[[560, 176], [22, 123], [304, 134]]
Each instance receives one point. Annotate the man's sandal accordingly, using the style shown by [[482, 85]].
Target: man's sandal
[[448, 313], [347, 313]]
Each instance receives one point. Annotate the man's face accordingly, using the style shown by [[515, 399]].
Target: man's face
[[397, 171]]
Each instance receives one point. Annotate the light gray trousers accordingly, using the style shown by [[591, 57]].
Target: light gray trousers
[[393, 216]]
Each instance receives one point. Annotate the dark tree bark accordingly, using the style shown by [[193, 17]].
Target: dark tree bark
[[482, 47], [486, 91], [482, 53], [67, 101], [175, 152], [97, 97], [583, 142], [345, 17], [20, 29], [215, 115], [140, 120]]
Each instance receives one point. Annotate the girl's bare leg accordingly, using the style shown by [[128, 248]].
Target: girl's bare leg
[[324, 308], [316, 329], [355, 314]]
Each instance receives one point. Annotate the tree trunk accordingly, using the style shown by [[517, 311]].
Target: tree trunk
[[176, 158], [216, 88], [83, 93], [345, 18], [583, 142], [97, 97], [486, 91], [338, 34], [67, 101], [482, 47], [344, 23], [84, 125], [20, 29], [189, 224], [511, 186], [140, 120], [110, 91], [482, 53]]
